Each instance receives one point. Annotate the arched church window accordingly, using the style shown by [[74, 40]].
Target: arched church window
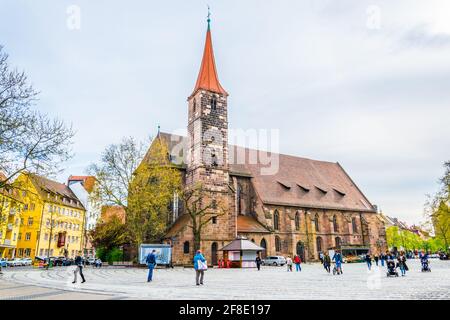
[[194, 105], [277, 244], [276, 220], [316, 222], [319, 244], [213, 103], [354, 226], [297, 221], [213, 159], [337, 241], [335, 224], [238, 199], [186, 247]]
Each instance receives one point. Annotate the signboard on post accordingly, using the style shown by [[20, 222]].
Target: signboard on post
[[163, 253]]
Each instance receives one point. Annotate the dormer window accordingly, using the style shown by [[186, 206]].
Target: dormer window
[[285, 184], [213, 103]]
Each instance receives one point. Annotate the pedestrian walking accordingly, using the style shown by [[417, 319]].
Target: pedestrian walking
[[151, 264], [382, 258], [200, 266], [402, 263], [297, 261], [327, 262], [368, 260], [258, 262], [338, 260], [321, 255], [78, 268], [289, 264], [375, 257]]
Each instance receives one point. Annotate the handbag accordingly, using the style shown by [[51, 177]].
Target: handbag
[[202, 265]]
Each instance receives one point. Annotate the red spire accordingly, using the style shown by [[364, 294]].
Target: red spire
[[207, 77]]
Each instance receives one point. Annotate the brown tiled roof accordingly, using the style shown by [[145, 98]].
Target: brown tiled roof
[[249, 224], [45, 185], [109, 211], [297, 182], [88, 182], [175, 228]]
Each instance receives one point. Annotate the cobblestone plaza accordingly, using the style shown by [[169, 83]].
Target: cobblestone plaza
[[269, 283]]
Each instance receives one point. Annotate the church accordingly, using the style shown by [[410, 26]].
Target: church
[[303, 207]]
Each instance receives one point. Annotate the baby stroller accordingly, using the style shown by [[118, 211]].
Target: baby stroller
[[392, 271], [425, 266]]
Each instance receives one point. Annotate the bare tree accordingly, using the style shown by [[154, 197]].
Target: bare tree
[[29, 140], [201, 208]]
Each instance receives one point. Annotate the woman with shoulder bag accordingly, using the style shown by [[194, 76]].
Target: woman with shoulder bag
[[200, 266]]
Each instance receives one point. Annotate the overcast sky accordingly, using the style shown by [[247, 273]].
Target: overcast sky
[[362, 83]]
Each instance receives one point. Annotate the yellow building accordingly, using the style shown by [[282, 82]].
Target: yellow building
[[9, 222], [52, 219]]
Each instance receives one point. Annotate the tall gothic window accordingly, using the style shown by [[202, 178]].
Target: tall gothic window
[[297, 221], [335, 224], [213, 103], [238, 199], [337, 241], [355, 228], [319, 244], [276, 220], [316, 222], [277, 244], [194, 105]]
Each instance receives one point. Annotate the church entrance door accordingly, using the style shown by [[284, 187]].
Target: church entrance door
[[301, 250], [214, 253], [263, 244]]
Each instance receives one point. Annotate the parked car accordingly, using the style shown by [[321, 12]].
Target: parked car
[[14, 262], [274, 261], [90, 261], [3, 263], [26, 261]]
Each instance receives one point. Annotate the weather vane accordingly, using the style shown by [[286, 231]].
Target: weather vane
[[209, 15]]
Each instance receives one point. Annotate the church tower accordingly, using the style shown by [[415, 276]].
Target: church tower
[[208, 126], [207, 156]]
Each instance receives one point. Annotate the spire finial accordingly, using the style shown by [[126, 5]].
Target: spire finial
[[209, 16], [159, 127]]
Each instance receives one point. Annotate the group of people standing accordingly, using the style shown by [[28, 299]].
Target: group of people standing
[[388, 256], [326, 260], [297, 261]]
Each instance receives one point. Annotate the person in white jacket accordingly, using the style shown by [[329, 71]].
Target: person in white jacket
[[289, 264]]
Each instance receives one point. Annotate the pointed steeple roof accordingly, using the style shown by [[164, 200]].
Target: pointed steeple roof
[[207, 77]]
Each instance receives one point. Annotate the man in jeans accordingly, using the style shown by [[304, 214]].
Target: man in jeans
[[79, 268], [151, 263]]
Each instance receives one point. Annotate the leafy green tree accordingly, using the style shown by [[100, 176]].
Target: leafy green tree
[[437, 209], [142, 183]]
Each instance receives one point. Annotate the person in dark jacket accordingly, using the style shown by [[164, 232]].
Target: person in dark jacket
[[258, 262], [79, 268], [326, 261], [401, 263], [382, 258], [368, 260], [151, 263], [375, 257]]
